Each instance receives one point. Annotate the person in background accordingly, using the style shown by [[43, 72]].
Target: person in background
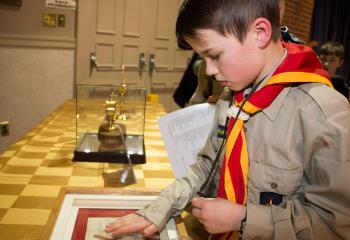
[[208, 89], [188, 82], [277, 161], [332, 58]]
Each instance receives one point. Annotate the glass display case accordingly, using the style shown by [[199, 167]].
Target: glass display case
[[110, 123]]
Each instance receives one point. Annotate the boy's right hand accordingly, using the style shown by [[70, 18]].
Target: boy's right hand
[[213, 99], [132, 223]]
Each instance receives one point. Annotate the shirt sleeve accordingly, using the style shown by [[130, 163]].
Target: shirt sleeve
[[178, 195], [320, 209]]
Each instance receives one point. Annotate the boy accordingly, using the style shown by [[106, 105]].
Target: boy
[[291, 126], [332, 58], [209, 90]]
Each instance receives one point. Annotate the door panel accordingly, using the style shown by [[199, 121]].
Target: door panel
[[170, 61], [106, 12], [117, 32], [111, 29]]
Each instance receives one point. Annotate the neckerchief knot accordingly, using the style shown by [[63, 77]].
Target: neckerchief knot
[[233, 112]]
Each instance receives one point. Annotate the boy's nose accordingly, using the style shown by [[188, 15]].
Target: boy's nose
[[211, 69]]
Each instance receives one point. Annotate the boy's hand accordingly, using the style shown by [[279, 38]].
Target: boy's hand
[[213, 99], [130, 224], [218, 215]]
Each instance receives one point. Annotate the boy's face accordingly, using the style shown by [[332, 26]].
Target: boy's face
[[232, 63], [331, 63]]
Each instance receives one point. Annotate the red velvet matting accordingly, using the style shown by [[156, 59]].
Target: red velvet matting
[[84, 213]]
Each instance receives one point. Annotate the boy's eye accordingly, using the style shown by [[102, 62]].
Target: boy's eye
[[214, 57]]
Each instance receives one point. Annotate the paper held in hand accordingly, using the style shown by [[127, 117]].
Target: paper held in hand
[[185, 132]]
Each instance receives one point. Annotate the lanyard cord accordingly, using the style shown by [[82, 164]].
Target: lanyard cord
[[203, 191]]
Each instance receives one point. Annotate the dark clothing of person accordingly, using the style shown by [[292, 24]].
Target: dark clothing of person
[[187, 85], [340, 85], [287, 36]]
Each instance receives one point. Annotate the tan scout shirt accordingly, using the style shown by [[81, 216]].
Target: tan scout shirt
[[298, 147]]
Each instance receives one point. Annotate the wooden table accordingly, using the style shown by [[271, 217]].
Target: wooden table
[[33, 170]]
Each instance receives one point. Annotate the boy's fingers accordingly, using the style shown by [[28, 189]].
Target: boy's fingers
[[136, 226], [150, 230], [117, 222], [213, 99], [127, 221], [196, 212], [197, 202], [198, 205]]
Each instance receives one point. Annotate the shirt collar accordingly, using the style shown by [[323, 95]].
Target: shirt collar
[[272, 111]]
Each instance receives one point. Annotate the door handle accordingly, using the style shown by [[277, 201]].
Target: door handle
[[93, 60], [151, 63], [142, 62], [94, 65]]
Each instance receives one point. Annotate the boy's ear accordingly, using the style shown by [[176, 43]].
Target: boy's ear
[[341, 61], [263, 31]]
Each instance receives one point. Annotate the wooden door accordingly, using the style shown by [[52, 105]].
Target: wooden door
[[166, 61], [136, 34]]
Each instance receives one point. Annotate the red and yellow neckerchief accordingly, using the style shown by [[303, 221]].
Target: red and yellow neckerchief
[[300, 66]]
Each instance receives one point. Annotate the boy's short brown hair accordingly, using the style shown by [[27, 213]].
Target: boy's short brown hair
[[225, 17], [332, 48]]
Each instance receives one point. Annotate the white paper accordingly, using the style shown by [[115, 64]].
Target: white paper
[[185, 132], [62, 4]]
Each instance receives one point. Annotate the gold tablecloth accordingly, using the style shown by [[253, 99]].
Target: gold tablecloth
[[33, 170]]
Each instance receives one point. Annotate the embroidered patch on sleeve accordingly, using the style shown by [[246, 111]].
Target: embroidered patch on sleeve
[[221, 131]]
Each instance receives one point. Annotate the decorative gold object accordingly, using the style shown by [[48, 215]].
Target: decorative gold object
[[110, 133], [122, 93], [100, 127]]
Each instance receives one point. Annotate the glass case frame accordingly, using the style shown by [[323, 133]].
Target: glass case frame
[[92, 114]]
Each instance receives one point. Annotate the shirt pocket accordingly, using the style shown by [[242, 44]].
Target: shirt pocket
[[266, 178]]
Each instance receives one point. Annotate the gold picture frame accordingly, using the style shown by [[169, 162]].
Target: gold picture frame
[[83, 211]]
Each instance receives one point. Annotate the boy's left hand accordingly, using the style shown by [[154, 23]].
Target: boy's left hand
[[131, 223], [218, 215]]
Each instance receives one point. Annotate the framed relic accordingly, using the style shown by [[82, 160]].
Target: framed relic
[[82, 213]]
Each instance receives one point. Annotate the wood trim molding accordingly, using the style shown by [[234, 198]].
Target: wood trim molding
[[13, 40]]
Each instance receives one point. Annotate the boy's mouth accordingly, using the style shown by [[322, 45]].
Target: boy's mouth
[[222, 82], [219, 80]]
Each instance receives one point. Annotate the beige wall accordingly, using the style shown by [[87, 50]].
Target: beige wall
[[26, 21], [37, 66]]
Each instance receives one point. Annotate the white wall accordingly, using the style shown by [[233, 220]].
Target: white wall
[[33, 82]]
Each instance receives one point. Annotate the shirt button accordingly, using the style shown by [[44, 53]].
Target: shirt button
[[154, 209], [274, 185]]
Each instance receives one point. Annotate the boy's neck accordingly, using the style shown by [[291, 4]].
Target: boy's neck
[[274, 55]]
